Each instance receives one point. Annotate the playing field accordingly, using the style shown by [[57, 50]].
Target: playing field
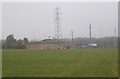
[[96, 62]]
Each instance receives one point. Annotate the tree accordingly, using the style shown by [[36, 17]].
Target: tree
[[10, 41], [26, 40], [0, 44], [20, 44]]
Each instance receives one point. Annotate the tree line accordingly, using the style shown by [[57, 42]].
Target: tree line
[[104, 42], [11, 43]]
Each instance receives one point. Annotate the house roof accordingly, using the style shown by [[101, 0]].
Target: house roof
[[52, 41], [49, 41]]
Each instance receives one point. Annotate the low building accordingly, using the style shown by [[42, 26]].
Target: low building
[[48, 44], [84, 45]]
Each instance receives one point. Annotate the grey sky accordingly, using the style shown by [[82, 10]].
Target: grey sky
[[22, 19]]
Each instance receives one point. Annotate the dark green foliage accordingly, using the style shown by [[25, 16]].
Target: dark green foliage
[[20, 44], [0, 44], [25, 40], [4, 45], [12, 43]]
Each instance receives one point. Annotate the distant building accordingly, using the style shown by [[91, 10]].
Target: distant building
[[84, 45], [94, 45], [48, 44]]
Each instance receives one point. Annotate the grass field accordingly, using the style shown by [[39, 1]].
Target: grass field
[[96, 62], [0, 63]]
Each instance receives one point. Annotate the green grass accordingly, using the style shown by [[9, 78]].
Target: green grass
[[0, 63], [60, 63]]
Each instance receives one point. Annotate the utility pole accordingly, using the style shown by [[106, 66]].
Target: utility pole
[[57, 24], [100, 40], [115, 37], [72, 38], [90, 40], [34, 35]]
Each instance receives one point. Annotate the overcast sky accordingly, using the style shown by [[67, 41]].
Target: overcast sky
[[23, 18]]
